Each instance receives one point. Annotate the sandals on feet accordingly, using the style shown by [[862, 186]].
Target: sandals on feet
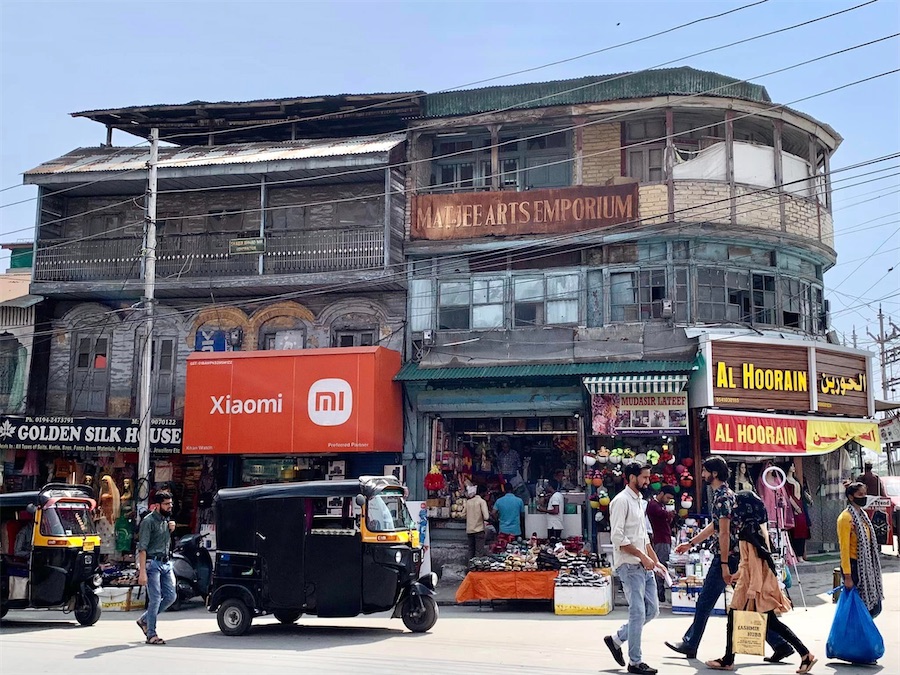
[[807, 663], [717, 664], [143, 626], [155, 640]]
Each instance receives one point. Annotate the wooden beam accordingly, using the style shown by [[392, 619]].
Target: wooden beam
[[495, 157], [828, 183], [814, 174], [670, 164], [777, 129], [579, 150], [729, 164]]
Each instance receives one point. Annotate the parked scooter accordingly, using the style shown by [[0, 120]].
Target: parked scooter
[[192, 566]]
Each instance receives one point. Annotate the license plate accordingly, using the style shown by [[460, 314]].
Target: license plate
[[88, 546]]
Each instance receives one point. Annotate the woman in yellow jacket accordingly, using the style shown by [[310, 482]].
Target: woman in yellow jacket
[[756, 582], [860, 560]]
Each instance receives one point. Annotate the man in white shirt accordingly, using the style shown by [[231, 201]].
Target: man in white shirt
[[555, 509], [635, 563]]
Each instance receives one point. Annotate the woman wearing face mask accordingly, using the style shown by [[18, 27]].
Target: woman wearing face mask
[[860, 561]]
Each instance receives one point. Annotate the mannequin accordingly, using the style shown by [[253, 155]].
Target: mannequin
[[800, 532], [110, 506], [742, 478]]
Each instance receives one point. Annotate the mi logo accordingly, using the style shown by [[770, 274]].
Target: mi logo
[[330, 402]]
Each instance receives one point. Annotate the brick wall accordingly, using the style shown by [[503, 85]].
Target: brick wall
[[653, 202], [707, 201], [602, 156]]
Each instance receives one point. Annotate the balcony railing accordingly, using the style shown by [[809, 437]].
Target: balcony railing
[[205, 255]]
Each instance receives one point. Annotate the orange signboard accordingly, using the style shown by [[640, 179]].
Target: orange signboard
[[293, 402], [785, 435]]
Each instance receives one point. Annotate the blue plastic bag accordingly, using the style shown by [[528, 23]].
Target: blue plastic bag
[[854, 636]]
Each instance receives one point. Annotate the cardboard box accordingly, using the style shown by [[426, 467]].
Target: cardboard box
[[122, 598], [684, 599], [583, 600]]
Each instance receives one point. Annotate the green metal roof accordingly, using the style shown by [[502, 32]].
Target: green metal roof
[[591, 89], [412, 372]]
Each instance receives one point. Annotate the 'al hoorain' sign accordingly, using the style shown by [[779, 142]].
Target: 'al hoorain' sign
[[87, 434], [478, 214]]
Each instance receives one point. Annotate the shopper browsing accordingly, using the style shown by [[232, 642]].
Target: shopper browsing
[[726, 554], [661, 516], [509, 512], [860, 560], [476, 516], [635, 564]]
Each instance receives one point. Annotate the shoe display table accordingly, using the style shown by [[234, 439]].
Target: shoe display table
[[507, 586]]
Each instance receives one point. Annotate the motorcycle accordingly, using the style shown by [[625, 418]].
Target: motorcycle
[[192, 566]]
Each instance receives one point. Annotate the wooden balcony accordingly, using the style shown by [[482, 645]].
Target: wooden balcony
[[192, 256]]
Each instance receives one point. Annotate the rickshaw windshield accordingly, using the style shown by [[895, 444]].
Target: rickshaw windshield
[[387, 513], [67, 519]]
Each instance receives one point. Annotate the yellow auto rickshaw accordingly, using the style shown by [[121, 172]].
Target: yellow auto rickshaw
[[51, 553]]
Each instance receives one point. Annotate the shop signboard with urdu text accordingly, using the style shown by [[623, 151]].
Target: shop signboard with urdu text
[[87, 434], [639, 414], [783, 375], [732, 433], [312, 401]]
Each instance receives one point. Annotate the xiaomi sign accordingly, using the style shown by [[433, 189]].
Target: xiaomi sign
[[293, 402]]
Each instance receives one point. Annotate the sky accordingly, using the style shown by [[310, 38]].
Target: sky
[[61, 57]]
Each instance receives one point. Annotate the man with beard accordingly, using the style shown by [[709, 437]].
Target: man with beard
[[726, 556], [155, 565]]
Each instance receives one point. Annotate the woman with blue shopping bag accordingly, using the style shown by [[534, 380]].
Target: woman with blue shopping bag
[[854, 636]]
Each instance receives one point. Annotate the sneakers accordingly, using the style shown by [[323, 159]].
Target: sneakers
[[616, 651], [780, 654], [642, 669], [682, 648]]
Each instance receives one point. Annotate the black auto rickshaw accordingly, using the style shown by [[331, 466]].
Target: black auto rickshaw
[[330, 548], [50, 557]]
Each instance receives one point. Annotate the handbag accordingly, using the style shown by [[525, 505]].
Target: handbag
[[748, 632], [853, 636]]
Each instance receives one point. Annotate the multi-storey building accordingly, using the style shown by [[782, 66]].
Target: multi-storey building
[[574, 245], [600, 266]]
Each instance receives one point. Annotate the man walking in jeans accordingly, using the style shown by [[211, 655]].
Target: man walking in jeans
[[154, 564], [635, 564], [726, 556]]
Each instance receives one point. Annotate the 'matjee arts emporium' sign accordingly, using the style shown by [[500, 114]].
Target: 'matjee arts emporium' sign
[[555, 211]]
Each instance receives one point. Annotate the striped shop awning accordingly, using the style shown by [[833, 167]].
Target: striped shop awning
[[636, 384]]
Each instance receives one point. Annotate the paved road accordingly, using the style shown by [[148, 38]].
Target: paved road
[[465, 640]]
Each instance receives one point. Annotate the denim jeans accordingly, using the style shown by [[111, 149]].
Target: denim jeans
[[160, 592], [713, 587], [643, 606], [662, 551]]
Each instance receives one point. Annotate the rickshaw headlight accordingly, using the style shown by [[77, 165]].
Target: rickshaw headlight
[[398, 557], [97, 581]]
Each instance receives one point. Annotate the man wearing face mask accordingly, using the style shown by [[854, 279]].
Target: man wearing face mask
[[661, 513], [155, 565]]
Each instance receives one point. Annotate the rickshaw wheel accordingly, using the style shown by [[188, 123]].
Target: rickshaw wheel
[[287, 615], [234, 617], [3, 610], [88, 613], [419, 621]]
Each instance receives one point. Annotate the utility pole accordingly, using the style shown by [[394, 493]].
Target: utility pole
[[149, 259], [854, 338], [886, 355]]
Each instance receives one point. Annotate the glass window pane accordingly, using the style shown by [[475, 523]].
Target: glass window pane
[[656, 157], [454, 293], [562, 285], [636, 164], [562, 311], [451, 318], [421, 305], [529, 289], [487, 316]]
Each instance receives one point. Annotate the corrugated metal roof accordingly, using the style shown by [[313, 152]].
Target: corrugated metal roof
[[412, 372], [84, 160], [591, 89]]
